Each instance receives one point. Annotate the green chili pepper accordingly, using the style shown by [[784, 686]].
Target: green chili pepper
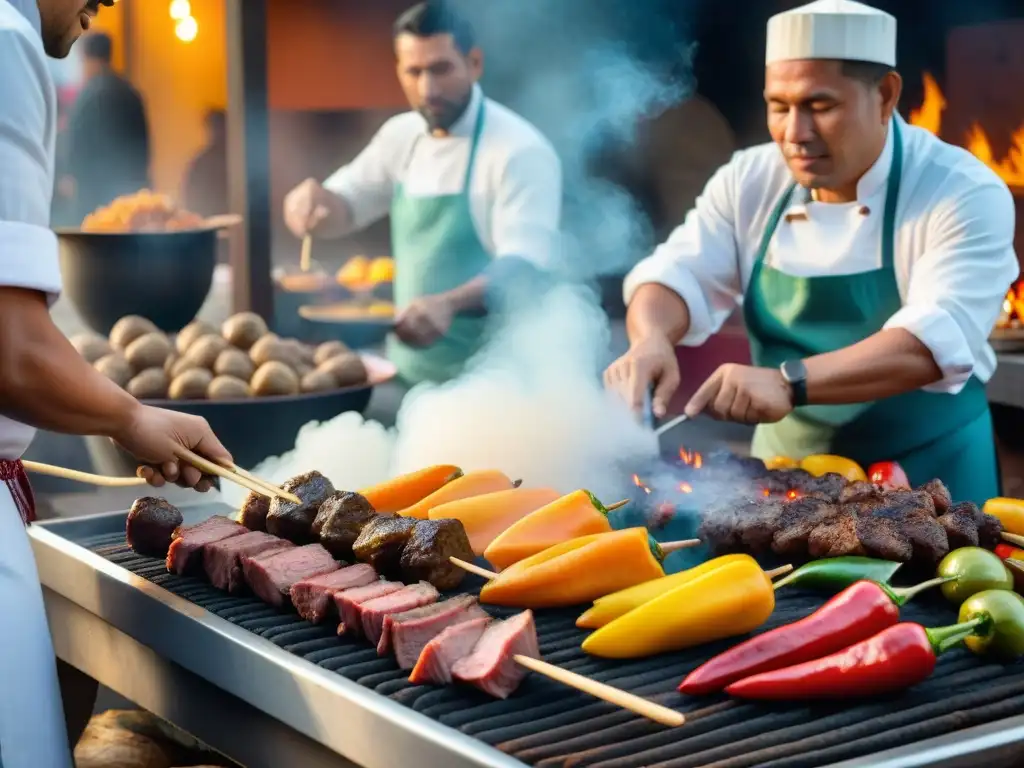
[[1001, 634], [837, 573]]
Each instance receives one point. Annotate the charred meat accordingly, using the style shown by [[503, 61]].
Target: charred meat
[[782, 481], [941, 498], [961, 525], [151, 525], [836, 537], [829, 486], [927, 538], [883, 539], [796, 522], [862, 492], [427, 552], [381, 543], [295, 521], [340, 520], [253, 513]]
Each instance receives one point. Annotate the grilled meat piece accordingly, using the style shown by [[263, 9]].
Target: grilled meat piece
[[408, 633], [940, 496], [491, 666], [373, 612], [312, 597], [883, 539], [756, 524], [381, 543], [339, 521], [151, 525], [434, 666], [796, 522], [222, 560], [349, 603], [254, 510], [782, 481], [862, 492], [836, 537], [961, 525], [185, 555], [990, 531], [828, 486], [719, 527], [295, 521], [271, 576], [425, 557], [927, 538]]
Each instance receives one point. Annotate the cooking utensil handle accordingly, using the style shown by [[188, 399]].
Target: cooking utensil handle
[[648, 407]]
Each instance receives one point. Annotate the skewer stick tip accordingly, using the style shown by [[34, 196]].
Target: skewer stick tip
[[1013, 538], [673, 546], [617, 505], [471, 568]]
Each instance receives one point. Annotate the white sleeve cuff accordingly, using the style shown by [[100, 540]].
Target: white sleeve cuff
[[29, 258], [936, 329], [681, 280]]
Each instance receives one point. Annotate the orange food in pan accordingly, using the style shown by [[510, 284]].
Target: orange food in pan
[[403, 491], [144, 211]]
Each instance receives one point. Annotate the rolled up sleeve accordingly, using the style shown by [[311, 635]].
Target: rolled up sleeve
[[527, 212], [367, 183], [699, 261], [957, 287], [28, 248]]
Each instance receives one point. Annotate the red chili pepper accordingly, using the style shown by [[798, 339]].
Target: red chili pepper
[[1006, 552], [860, 611], [896, 658], [888, 474]]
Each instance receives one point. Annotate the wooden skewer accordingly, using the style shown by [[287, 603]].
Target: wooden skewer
[[1013, 539], [616, 696], [306, 257], [617, 505], [471, 568], [673, 546], [104, 481], [211, 468]]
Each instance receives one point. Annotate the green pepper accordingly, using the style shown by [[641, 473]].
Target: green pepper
[[837, 573], [974, 570], [1001, 633]]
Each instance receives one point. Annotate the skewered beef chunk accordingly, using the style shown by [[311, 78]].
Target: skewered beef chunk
[[927, 538], [373, 612], [990, 531], [491, 666], [940, 496], [719, 525], [782, 481], [222, 560], [339, 521], [185, 555], [312, 597], [271, 577], [756, 523], [881, 538], [434, 666], [407, 633], [425, 557], [836, 537], [381, 543], [828, 486], [349, 603], [961, 525], [253, 513], [151, 524], [295, 521], [862, 492], [796, 522]]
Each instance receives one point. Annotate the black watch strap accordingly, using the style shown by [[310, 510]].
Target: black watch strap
[[795, 374]]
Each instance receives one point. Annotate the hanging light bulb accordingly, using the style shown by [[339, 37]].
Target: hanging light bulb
[[180, 9], [186, 29]]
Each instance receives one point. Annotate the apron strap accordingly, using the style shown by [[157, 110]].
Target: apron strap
[[13, 475], [773, 224], [477, 132]]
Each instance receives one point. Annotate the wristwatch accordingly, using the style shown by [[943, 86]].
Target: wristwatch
[[795, 374]]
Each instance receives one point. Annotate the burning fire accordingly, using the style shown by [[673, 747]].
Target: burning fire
[[691, 459]]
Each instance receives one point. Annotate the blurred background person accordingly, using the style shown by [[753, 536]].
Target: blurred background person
[[205, 188]]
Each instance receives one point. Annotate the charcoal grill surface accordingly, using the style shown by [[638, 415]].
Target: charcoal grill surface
[[547, 725]]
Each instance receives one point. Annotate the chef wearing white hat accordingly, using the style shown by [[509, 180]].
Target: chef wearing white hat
[[870, 260]]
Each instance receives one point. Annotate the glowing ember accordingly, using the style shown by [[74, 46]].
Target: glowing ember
[[686, 488], [792, 495], [639, 484]]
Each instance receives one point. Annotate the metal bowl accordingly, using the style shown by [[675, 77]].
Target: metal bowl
[[163, 276], [257, 427], [319, 324]]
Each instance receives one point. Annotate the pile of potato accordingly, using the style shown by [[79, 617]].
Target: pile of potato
[[241, 360]]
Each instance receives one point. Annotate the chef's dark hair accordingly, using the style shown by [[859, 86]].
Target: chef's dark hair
[[868, 72], [436, 18], [98, 46]]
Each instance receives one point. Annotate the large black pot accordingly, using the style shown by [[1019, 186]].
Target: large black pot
[[255, 428], [163, 276]]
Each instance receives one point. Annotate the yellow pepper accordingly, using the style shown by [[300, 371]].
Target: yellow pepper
[[731, 600], [607, 609], [781, 462], [822, 464], [1010, 512], [577, 571]]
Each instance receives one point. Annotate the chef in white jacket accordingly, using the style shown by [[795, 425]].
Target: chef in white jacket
[[870, 260], [44, 382]]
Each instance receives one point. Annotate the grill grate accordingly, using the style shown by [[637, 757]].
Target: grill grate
[[549, 726]]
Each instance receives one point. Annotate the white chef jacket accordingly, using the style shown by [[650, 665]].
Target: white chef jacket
[[954, 257], [515, 193], [28, 128]]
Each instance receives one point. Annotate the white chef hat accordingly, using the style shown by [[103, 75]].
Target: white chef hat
[[832, 29]]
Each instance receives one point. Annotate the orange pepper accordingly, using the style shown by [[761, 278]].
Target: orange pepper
[[471, 484], [486, 517], [405, 490], [576, 514], [1009, 512], [577, 571]]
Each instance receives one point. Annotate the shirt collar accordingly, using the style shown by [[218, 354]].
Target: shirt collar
[[29, 9], [466, 123], [875, 177]]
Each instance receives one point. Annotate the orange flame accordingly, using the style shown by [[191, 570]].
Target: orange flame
[[639, 484], [691, 458], [792, 495], [686, 488]]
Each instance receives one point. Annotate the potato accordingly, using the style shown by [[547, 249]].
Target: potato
[[115, 368], [205, 351], [272, 348], [228, 388], [329, 349], [319, 381], [172, 360], [181, 365], [149, 351], [91, 346], [302, 353], [128, 329], [190, 385], [151, 384], [234, 363], [274, 378], [302, 370], [348, 369], [244, 329], [191, 333]]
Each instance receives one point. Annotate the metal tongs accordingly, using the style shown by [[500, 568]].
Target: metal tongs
[[649, 418]]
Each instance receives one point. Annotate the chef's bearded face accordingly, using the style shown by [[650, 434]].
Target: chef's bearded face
[[64, 21], [829, 119], [437, 76]]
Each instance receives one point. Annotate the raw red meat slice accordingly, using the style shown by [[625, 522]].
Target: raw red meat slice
[[491, 666], [185, 555], [407, 633], [270, 576], [312, 597], [373, 611], [434, 666], [222, 559], [349, 603]]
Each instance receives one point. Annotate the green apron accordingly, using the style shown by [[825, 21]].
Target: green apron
[[932, 435], [436, 248]]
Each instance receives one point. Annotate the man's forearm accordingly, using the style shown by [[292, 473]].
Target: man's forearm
[[338, 222], [45, 383], [888, 363], [470, 297], [657, 311]]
